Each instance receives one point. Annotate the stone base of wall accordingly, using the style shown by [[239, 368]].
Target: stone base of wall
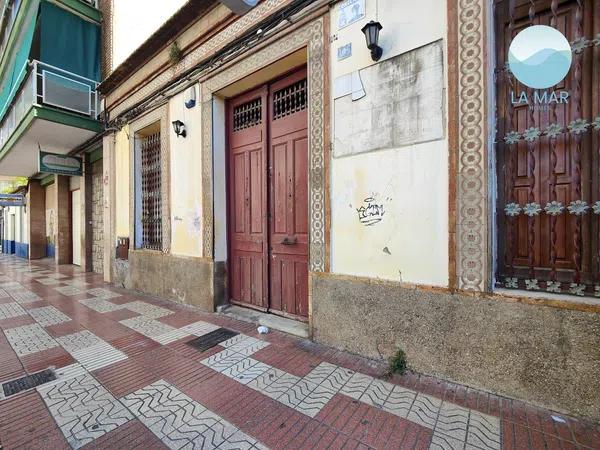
[[544, 355], [182, 279]]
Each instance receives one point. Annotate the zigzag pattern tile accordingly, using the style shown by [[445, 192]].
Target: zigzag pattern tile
[[399, 401], [483, 431], [223, 360], [9, 310], [180, 422], [377, 393], [48, 315], [424, 410], [452, 422], [246, 370], [356, 386], [29, 339], [83, 409]]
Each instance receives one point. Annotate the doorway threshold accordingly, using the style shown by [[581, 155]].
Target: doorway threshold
[[272, 321]]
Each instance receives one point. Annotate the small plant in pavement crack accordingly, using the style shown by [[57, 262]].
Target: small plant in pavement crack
[[397, 363]]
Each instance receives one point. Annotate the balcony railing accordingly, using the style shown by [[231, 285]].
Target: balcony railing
[[50, 86]]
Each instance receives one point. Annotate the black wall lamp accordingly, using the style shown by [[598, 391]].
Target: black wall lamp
[[371, 31], [179, 128]]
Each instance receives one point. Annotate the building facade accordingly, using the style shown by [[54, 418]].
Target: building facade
[[422, 199]]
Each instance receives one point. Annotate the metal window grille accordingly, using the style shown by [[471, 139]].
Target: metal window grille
[[247, 115], [151, 193], [290, 100]]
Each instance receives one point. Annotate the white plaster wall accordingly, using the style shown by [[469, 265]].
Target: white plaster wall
[[186, 178], [410, 243], [134, 21]]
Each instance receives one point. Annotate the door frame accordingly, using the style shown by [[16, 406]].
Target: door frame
[[265, 91], [311, 37]]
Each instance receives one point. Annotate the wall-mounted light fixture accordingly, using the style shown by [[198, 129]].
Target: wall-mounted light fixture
[[179, 128], [371, 31]]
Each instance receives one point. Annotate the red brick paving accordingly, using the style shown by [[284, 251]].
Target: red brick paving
[[132, 435], [343, 423], [25, 422]]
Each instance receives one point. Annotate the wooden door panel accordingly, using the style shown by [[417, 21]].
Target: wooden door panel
[[247, 221], [527, 172], [288, 159]]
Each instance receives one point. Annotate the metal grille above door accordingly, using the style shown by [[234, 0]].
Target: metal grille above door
[[290, 99], [548, 156], [151, 192]]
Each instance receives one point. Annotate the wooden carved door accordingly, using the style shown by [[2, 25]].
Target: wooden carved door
[[268, 197], [548, 153]]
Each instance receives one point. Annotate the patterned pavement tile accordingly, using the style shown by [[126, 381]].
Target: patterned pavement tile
[[83, 409], [180, 422], [48, 315], [100, 305], [68, 290], [452, 422], [90, 351], [315, 401], [424, 410], [400, 401], [10, 310], [337, 379], [102, 293], [377, 393], [155, 330], [24, 297], [223, 360], [147, 310], [48, 281], [29, 339], [246, 370], [356, 386], [199, 328], [483, 431], [297, 393]]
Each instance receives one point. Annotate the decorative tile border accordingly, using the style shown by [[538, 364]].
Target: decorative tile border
[[472, 269]]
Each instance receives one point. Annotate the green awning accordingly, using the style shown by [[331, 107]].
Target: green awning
[[69, 42], [17, 68]]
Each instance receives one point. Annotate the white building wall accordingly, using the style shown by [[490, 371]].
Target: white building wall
[[405, 184]]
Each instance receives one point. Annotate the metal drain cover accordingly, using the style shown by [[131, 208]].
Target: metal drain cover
[[27, 382], [211, 339]]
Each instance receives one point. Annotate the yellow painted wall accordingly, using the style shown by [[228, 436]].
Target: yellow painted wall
[[186, 179], [122, 182], [410, 242]]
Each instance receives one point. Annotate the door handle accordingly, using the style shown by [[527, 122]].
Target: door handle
[[289, 240]]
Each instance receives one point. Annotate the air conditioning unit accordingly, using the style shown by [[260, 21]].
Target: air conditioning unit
[[240, 7]]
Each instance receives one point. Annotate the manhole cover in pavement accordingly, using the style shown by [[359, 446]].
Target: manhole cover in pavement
[[27, 382], [211, 339]]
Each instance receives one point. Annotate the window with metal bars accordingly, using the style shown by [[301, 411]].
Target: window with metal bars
[[247, 115], [151, 200], [290, 100]]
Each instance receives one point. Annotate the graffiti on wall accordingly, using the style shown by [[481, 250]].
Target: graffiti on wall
[[370, 213]]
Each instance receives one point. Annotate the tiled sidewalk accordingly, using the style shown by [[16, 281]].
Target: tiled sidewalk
[[128, 378]]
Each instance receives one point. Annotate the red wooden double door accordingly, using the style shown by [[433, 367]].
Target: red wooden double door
[[267, 199]]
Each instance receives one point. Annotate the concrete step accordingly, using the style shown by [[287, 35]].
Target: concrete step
[[271, 321]]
